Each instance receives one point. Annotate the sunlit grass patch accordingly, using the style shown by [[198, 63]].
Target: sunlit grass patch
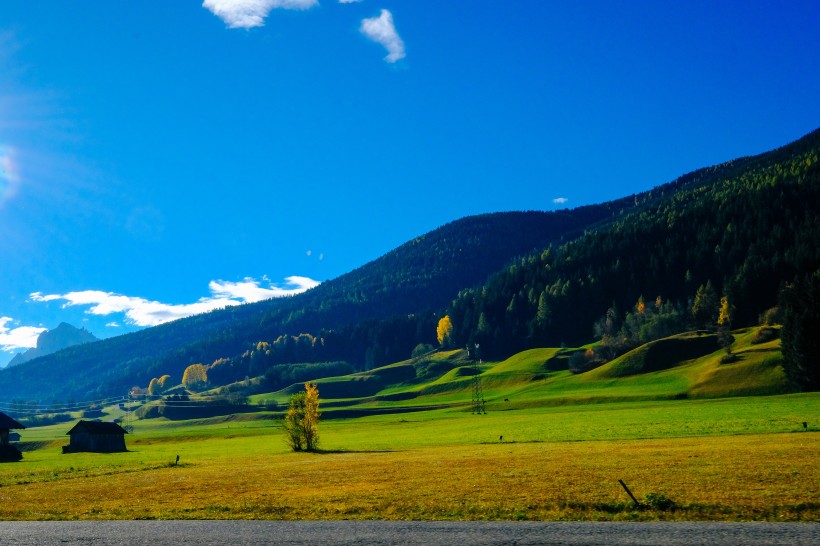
[[738, 477], [729, 459]]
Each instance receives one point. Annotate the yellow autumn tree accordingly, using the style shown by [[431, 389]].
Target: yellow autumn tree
[[444, 331], [725, 312], [724, 325], [164, 383], [195, 376], [302, 419], [153, 387], [640, 306], [311, 419]]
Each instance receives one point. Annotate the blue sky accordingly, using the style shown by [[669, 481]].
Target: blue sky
[[162, 158]]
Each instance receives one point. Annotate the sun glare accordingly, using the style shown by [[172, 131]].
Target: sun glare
[[9, 178]]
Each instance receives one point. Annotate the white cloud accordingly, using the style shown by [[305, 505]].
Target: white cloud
[[251, 13], [250, 291], [349, 1], [113, 324], [382, 31], [22, 337], [143, 312], [560, 200]]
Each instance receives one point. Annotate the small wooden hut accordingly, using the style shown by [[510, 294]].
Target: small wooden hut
[[96, 437], [8, 452]]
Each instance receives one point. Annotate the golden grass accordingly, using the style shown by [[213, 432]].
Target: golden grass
[[749, 477]]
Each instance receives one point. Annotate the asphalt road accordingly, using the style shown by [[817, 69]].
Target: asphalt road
[[138, 533]]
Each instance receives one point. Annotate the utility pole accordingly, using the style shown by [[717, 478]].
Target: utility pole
[[129, 424], [478, 394]]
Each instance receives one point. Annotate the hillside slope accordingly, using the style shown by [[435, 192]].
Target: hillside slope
[[682, 366], [747, 227], [421, 275]]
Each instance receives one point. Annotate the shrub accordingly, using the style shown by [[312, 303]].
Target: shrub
[[658, 501], [770, 317], [764, 334], [584, 361], [422, 349], [729, 358]]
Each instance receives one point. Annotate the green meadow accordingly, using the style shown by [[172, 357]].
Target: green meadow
[[694, 439]]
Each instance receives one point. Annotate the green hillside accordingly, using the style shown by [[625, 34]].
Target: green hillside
[[682, 366]]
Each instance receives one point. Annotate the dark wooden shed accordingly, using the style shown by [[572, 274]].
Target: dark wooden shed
[[97, 437], [8, 452]]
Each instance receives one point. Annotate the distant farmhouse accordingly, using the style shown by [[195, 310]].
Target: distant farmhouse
[[96, 437], [8, 452]]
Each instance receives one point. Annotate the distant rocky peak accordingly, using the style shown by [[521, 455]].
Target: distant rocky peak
[[57, 339]]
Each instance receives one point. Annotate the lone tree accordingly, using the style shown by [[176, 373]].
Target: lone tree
[[302, 419]]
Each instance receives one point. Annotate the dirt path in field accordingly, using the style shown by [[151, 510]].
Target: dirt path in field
[[138, 533]]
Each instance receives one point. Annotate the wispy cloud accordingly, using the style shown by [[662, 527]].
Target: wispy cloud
[[251, 13], [22, 337], [382, 31], [349, 1], [143, 312], [560, 200]]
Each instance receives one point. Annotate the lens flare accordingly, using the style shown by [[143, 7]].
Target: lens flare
[[9, 177]]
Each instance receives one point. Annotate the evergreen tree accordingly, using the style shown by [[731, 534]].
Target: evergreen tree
[[705, 306], [800, 307]]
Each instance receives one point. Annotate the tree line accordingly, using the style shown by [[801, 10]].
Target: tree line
[[743, 232]]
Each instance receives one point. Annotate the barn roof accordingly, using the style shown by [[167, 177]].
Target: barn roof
[[97, 427], [8, 422]]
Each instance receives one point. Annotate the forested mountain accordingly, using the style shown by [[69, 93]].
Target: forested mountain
[[745, 228], [373, 314]]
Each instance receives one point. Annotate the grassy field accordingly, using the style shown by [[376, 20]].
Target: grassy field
[[725, 459], [671, 419]]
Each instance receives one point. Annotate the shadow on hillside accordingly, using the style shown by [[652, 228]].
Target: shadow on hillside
[[667, 353]]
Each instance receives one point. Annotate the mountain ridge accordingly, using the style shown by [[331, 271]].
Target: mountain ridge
[[63, 336], [418, 276], [425, 274]]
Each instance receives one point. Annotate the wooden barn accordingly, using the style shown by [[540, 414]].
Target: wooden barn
[[8, 452], [97, 437]]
